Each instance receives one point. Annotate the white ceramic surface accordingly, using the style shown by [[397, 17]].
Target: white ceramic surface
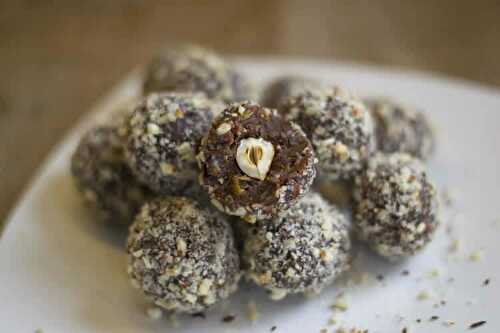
[[60, 271]]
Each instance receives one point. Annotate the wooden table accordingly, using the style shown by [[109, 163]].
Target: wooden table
[[58, 57]]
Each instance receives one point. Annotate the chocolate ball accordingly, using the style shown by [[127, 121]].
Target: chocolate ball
[[396, 205], [401, 129], [254, 163], [302, 250], [163, 134], [102, 175], [281, 89], [182, 256], [195, 69], [339, 126]]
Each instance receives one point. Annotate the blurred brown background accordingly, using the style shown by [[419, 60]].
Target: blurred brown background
[[58, 57]]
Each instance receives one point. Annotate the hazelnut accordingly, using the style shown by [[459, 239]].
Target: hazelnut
[[341, 92], [254, 157], [167, 168], [341, 151], [235, 186], [153, 129], [181, 246], [223, 128], [179, 113]]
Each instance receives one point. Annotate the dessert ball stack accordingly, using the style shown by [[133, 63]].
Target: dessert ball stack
[[205, 164]]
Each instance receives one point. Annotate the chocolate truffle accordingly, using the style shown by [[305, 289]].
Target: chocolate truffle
[[401, 128], [195, 69], [279, 90], [254, 163], [339, 127], [302, 250], [182, 256], [102, 174], [396, 205], [163, 135]]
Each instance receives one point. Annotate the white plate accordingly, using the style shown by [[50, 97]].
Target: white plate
[[60, 271]]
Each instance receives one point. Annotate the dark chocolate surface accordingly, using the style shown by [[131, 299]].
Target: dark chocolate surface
[[289, 177]]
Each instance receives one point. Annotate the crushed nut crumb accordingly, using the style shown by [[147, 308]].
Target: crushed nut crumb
[[252, 313], [340, 304], [434, 273], [423, 295], [333, 320], [454, 246], [448, 323], [199, 315], [173, 320], [475, 256], [154, 313], [477, 324], [228, 318]]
